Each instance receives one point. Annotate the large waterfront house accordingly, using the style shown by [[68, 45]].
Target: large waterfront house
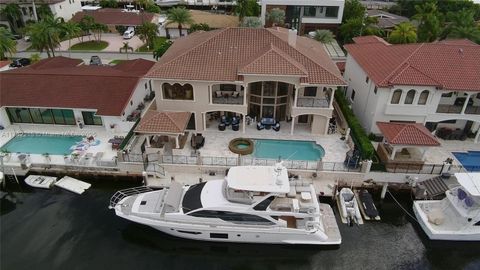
[[60, 8], [435, 84], [306, 15], [252, 74], [63, 91]]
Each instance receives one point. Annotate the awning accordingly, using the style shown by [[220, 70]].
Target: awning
[[414, 134], [154, 122]]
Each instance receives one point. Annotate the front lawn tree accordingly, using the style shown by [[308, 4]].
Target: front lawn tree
[[428, 19], [147, 33], [276, 17], [403, 33], [7, 44], [180, 16], [13, 14]]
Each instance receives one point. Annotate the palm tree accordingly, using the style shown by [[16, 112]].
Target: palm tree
[[35, 57], [71, 30], [276, 16], [429, 22], [38, 38], [7, 44], [13, 14], [247, 8], [160, 50], [403, 33], [181, 16], [98, 29], [126, 48], [45, 35], [147, 33], [323, 36], [86, 24], [462, 25]]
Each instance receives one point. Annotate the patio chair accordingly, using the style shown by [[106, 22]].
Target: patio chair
[[235, 94], [276, 127], [218, 94]]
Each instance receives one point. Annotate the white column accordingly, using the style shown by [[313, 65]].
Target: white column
[[477, 136], [424, 153], [147, 143], [327, 124], [210, 97], [263, 13], [176, 142], [296, 97], [204, 120], [466, 104], [245, 87], [332, 96], [293, 125], [243, 124], [394, 151]]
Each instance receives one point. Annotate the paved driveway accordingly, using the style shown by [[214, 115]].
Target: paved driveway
[[115, 42]]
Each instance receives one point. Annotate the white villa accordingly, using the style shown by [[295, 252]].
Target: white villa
[[306, 15], [263, 73], [61, 91], [60, 8], [435, 84]]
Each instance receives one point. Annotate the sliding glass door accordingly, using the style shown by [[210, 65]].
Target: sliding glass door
[[41, 116]]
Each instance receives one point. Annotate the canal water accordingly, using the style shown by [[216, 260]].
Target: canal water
[[56, 229]]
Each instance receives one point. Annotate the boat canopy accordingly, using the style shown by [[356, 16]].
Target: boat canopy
[[470, 182], [272, 179]]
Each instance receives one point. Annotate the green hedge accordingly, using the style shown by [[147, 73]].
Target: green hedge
[[356, 130], [129, 135]]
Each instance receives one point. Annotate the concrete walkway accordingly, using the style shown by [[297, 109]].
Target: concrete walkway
[[115, 42]]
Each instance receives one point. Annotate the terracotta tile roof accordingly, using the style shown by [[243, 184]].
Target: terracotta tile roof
[[262, 64], [451, 65], [163, 122], [407, 134], [31, 1], [219, 55], [113, 16], [4, 63], [50, 84], [341, 66]]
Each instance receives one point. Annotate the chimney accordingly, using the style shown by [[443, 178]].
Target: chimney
[[292, 37]]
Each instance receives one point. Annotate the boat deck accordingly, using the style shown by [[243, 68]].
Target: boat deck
[[330, 222]]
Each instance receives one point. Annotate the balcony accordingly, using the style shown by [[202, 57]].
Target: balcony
[[227, 97], [313, 102], [471, 109]]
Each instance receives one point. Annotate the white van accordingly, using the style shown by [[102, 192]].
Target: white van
[[129, 33]]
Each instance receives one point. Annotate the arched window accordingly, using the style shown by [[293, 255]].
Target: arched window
[[422, 100], [410, 97], [177, 91], [397, 94]]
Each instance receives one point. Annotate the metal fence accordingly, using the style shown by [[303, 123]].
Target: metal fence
[[423, 168]]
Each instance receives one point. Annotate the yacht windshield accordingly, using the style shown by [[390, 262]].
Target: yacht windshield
[[191, 199]]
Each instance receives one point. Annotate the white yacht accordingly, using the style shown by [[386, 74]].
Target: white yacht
[[253, 204], [457, 216]]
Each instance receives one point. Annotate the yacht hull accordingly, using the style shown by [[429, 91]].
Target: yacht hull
[[214, 233], [436, 234]]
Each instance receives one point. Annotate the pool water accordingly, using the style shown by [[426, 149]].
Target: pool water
[[470, 160], [41, 144], [291, 150]]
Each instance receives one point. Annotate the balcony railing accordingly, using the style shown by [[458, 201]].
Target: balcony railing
[[313, 102], [458, 109], [228, 100]]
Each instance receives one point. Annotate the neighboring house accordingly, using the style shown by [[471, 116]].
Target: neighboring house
[[306, 15], [114, 16], [263, 73], [436, 84], [60, 8], [63, 91], [200, 3], [386, 21], [215, 21]]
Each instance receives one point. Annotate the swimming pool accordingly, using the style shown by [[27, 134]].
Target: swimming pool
[[285, 149], [41, 144], [470, 160]]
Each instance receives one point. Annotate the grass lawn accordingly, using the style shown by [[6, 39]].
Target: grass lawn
[[116, 61], [90, 46], [157, 42]]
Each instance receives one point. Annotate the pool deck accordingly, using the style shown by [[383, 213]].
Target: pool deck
[[99, 133], [216, 142]]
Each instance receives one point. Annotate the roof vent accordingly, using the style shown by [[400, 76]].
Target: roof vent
[[460, 51]]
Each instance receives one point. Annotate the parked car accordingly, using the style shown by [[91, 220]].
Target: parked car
[[20, 62], [95, 61], [129, 33]]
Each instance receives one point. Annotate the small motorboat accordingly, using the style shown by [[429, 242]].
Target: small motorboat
[[348, 207], [73, 185], [367, 206], [40, 181]]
